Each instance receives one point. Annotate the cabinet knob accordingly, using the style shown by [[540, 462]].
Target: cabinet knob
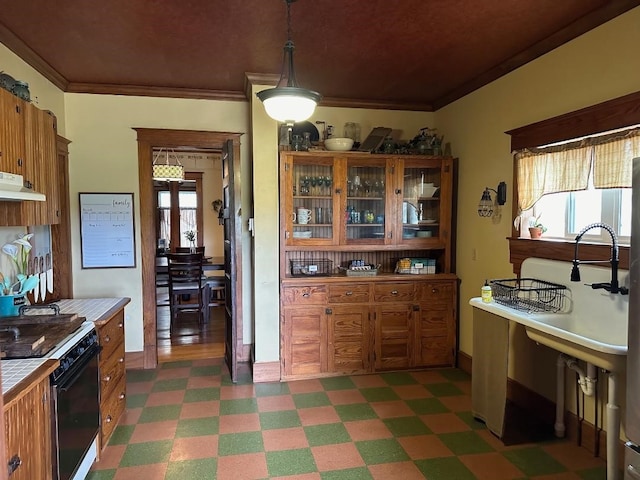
[[398, 191], [121, 396], [434, 290], [19, 162], [306, 294], [348, 294], [394, 292], [108, 419], [121, 359], [338, 191], [328, 311], [120, 325], [14, 463], [107, 339], [107, 378]]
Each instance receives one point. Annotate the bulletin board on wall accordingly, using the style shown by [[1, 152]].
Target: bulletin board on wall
[[107, 235]]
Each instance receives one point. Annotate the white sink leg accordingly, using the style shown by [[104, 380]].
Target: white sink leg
[[613, 428], [559, 425]]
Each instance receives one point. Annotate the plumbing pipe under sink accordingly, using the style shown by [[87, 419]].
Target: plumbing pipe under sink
[[586, 381]]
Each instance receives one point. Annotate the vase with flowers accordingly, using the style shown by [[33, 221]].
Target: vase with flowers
[[191, 236], [15, 284]]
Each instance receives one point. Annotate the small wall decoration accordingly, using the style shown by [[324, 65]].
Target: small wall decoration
[[107, 230]]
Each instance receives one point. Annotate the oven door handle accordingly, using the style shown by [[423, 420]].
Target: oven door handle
[[77, 369]]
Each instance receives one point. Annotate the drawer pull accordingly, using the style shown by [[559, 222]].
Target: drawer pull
[[306, 294], [107, 378], [108, 419], [107, 339], [394, 292], [348, 294], [434, 290]]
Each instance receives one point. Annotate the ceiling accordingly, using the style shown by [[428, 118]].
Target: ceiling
[[401, 54]]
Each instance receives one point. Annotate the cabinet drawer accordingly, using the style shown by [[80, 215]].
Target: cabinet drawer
[[393, 292], [110, 411], [352, 293], [437, 292], [306, 295], [111, 336], [111, 371]]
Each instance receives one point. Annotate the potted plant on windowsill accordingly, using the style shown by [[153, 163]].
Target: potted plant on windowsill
[[536, 229]]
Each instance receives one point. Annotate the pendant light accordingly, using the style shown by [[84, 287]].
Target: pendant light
[[167, 172], [287, 102]]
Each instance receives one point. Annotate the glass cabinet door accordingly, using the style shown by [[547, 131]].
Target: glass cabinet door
[[365, 209], [421, 201], [312, 212]]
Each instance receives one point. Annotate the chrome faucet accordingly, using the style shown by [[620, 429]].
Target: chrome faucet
[[613, 286]]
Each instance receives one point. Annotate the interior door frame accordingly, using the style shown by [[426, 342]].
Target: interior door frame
[[148, 139]]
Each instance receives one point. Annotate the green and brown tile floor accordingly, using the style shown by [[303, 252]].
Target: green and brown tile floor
[[186, 420]]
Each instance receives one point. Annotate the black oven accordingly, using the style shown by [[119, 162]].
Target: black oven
[[75, 408]]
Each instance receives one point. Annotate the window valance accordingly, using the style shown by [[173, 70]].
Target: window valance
[[566, 167]]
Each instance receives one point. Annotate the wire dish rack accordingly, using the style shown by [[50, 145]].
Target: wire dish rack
[[529, 294]]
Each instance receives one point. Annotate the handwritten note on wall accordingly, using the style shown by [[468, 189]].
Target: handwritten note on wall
[[107, 231]]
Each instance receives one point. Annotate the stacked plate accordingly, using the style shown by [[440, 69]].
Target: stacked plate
[[302, 234]]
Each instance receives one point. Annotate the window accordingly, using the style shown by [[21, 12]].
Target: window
[[565, 214], [182, 203], [569, 185]]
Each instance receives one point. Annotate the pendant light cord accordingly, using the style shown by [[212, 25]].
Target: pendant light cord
[[288, 19]]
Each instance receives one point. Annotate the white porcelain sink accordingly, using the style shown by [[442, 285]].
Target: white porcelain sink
[[593, 323]]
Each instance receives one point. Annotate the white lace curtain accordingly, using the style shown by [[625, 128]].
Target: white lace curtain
[[566, 167]]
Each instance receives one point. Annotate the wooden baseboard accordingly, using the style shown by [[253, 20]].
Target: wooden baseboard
[[134, 360], [246, 353], [266, 372], [583, 433]]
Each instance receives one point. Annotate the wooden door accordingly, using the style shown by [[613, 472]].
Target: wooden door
[[232, 255], [304, 340], [394, 336], [349, 338], [434, 342], [11, 133]]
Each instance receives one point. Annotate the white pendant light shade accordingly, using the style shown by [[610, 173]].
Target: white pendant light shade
[[289, 104]]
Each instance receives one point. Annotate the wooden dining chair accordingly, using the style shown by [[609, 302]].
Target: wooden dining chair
[[187, 290]]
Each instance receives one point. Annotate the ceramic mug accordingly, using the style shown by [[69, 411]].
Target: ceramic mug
[[303, 216]]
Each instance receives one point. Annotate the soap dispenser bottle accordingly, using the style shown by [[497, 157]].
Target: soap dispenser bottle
[[487, 296]]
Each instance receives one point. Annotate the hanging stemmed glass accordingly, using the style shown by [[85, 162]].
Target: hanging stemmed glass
[[314, 182], [327, 183]]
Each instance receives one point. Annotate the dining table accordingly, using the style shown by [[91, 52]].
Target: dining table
[[208, 263]]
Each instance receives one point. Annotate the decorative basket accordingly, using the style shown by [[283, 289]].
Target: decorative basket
[[311, 267]]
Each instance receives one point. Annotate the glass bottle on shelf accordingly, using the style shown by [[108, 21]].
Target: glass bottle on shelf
[[306, 141]]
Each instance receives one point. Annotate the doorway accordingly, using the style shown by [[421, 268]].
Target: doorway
[[185, 210], [148, 139]]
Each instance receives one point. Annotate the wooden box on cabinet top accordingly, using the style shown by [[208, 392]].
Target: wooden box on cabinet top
[[111, 364]]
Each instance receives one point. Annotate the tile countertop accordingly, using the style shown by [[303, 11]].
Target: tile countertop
[[93, 309]]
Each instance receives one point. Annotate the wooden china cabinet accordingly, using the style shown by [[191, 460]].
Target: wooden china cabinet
[[341, 207]]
